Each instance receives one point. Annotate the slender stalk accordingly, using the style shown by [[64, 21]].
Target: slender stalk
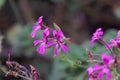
[[104, 43]]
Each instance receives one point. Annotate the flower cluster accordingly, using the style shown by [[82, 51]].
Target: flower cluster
[[57, 38], [102, 67], [100, 70]]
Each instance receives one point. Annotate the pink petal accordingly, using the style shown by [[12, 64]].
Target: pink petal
[[100, 75], [90, 79], [36, 42], [96, 35], [64, 48], [118, 35], [50, 43], [41, 48], [108, 75], [99, 29], [60, 33], [46, 32], [97, 67], [106, 58], [56, 51], [34, 30], [112, 40], [54, 33], [39, 20], [89, 70], [100, 33]]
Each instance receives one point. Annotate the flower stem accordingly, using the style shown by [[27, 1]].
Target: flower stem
[[104, 43]]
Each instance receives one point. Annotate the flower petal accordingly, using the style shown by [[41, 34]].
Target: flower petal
[[97, 35], [34, 30], [99, 29], [112, 40], [64, 48], [39, 20], [56, 51], [89, 70], [41, 48], [106, 58], [46, 32], [55, 33], [60, 33], [108, 75], [100, 74], [36, 42], [118, 35], [97, 67], [50, 43]]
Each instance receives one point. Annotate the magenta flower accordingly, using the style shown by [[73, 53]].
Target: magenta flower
[[59, 37], [91, 73], [115, 42], [37, 26], [97, 71], [44, 42], [96, 36]]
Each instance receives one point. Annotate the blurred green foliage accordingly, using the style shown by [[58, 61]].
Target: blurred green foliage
[[20, 40]]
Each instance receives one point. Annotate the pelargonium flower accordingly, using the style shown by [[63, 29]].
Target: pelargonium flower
[[91, 73], [115, 42], [44, 42], [37, 26], [58, 35], [100, 70], [96, 36]]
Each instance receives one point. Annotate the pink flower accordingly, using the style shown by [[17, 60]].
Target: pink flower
[[37, 26], [97, 71], [44, 42], [58, 35], [115, 42], [96, 36]]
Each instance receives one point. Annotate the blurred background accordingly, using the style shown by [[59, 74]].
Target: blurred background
[[77, 18]]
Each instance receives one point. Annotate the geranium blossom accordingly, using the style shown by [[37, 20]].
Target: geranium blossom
[[96, 36], [101, 69], [44, 42], [58, 35], [115, 42], [37, 26]]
